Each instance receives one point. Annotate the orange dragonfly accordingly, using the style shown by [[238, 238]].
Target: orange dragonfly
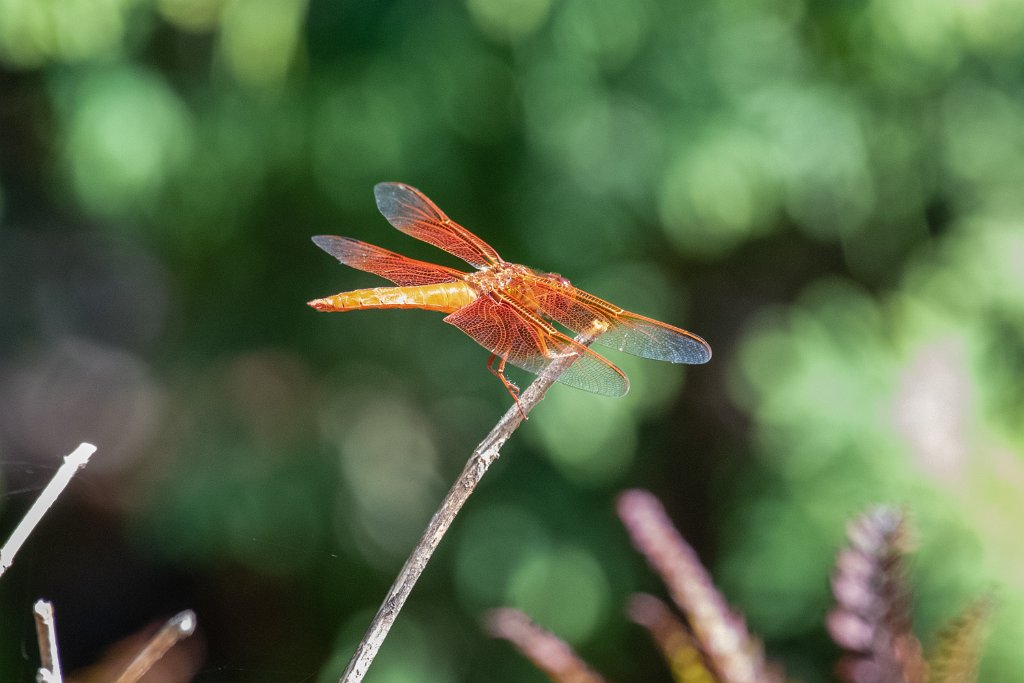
[[504, 307]]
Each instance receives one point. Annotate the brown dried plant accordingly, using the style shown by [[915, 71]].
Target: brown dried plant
[[711, 644], [871, 620], [678, 645], [731, 652], [548, 652]]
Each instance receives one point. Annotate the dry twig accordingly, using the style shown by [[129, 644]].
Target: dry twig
[[72, 463], [482, 458], [180, 626], [46, 635]]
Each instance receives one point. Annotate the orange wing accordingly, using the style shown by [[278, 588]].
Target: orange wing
[[627, 331], [410, 211], [508, 330], [401, 270]]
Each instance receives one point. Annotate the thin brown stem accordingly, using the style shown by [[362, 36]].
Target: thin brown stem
[[180, 626], [46, 635], [482, 458]]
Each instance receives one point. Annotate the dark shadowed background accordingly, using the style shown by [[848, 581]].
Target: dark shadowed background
[[829, 192]]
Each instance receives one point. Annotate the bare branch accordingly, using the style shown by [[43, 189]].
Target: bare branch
[[72, 463], [46, 634], [548, 652], [178, 627], [482, 458]]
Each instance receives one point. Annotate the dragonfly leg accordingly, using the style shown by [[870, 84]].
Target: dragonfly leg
[[510, 386]]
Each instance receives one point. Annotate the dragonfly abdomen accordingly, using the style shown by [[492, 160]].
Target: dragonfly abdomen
[[445, 297]]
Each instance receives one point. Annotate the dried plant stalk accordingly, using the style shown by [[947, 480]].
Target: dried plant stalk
[[73, 462], [180, 626], [46, 635], [479, 462], [678, 646], [734, 655], [958, 649], [871, 620], [548, 652]]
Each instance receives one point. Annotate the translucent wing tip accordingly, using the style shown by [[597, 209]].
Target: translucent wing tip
[[617, 392], [699, 353], [685, 347], [386, 187], [332, 244], [323, 241], [386, 195]]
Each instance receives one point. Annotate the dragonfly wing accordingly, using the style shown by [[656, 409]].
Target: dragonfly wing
[[410, 211], [524, 340], [649, 338], [401, 270], [629, 332]]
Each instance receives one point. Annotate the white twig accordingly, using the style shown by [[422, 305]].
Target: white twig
[[46, 635], [483, 456], [72, 463], [180, 626]]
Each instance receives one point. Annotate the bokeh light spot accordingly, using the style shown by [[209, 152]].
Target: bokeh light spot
[[193, 15], [591, 439], [747, 53], [993, 25], [925, 30], [816, 152], [358, 133], [389, 461], [128, 131], [259, 39], [933, 409], [494, 543], [716, 193], [611, 32], [782, 537], [983, 133], [508, 20], [33, 32], [77, 390], [566, 591]]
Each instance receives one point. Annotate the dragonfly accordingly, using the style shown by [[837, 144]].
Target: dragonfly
[[507, 308]]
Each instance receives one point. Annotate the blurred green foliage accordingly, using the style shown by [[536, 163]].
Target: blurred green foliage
[[828, 192]]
